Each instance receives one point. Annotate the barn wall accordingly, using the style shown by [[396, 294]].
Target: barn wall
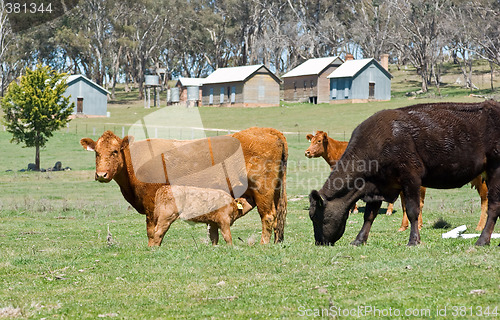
[[299, 89], [238, 87], [360, 85], [94, 101], [323, 89], [261, 89]]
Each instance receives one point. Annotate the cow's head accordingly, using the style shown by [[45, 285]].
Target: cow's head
[[319, 144], [329, 218], [109, 157]]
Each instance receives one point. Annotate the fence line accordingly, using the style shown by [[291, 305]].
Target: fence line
[[182, 132]]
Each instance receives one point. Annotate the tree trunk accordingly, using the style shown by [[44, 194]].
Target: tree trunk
[[492, 69], [37, 155]]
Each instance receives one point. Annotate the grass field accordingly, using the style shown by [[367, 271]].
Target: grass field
[[57, 261]]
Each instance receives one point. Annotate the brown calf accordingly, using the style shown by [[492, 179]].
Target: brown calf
[[214, 207]]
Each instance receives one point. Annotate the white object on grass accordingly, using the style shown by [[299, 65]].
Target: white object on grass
[[454, 233], [458, 232]]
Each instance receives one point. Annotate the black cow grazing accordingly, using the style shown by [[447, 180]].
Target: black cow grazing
[[437, 145]]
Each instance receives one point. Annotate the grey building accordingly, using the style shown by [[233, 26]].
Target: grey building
[[89, 97], [246, 86], [308, 82], [360, 80]]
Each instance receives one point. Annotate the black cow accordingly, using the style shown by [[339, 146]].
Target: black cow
[[437, 145]]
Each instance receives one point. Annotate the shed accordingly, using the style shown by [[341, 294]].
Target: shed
[[308, 82], [246, 86], [359, 81], [89, 97], [190, 90]]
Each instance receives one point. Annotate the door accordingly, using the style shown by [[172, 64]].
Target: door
[[371, 90], [79, 105]]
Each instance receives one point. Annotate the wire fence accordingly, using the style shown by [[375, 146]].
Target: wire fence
[[181, 133]]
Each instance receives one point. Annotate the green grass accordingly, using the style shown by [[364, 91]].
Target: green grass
[[56, 261]]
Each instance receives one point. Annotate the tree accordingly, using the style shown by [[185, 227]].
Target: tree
[[36, 107]]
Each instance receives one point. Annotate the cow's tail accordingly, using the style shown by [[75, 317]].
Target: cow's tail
[[281, 209]]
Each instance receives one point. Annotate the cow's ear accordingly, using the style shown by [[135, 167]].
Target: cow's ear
[[128, 140], [88, 144], [309, 137], [325, 135], [315, 196]]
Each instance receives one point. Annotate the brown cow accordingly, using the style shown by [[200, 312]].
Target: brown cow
[[436, 145], [265, 151], [331, 150], [190, 204]]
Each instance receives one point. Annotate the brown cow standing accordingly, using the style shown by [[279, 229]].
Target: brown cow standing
[[331, 150], [265, 151], [436, 145]]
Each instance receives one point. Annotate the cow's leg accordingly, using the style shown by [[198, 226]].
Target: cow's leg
[[226, 232], [482, 189], [267, 212], [405, 222], [268, 219], [390, 208], [213, 233], [371, 212], [412, 204], [355, 209], [159, 223], [493, 207]]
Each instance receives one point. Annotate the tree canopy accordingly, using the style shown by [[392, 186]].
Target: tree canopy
[[112, 40], [35, 107]]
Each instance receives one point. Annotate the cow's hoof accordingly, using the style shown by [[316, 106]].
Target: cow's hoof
[[358, 243], [481, 242], [402, 229], [412, 243]]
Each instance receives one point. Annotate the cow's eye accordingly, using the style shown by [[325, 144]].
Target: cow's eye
[[319, 141], [115, 152]]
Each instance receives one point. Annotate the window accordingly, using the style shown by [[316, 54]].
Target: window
[[262, 92], [333, 89], [211, 96], [371, 90], [233, 94], [221, 95], [347, 88], [312, 84], [294, 86], [305, 85]]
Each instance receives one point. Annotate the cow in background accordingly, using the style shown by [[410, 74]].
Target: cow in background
[[436, 145]]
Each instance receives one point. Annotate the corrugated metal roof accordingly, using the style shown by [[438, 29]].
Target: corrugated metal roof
[[234, 74], [311, 66], [351, 67], [191, 82], [74, 77]]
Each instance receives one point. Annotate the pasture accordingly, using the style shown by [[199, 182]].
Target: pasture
[[72, 248]]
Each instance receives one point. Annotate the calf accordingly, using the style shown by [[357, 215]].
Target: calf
[[440, 145], [214, 207]]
